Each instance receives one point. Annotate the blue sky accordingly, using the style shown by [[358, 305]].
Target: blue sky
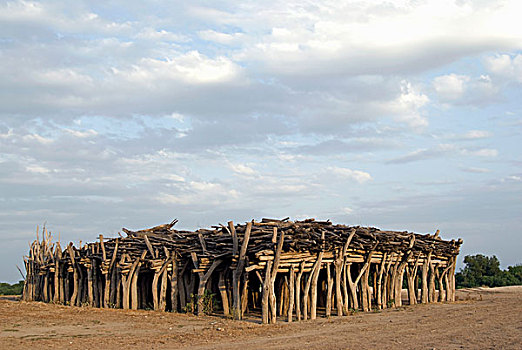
[[397, 114]]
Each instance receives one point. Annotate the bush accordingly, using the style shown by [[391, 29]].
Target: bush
[[483, 270], [11, 289]]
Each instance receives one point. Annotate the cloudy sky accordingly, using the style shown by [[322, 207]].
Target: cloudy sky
[[397, 114]]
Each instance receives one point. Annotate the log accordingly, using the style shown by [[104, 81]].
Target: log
[[329, 291], [291, 294], [273, 275], [223, 292], [239, 270], [298, 291]]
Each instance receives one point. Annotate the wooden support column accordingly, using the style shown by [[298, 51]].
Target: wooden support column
[[74, 297], [309, 283], [411, 276], [158, 278], [344, 273], [329, 291], [425, 269], [273, 275], [315, 277], [379, 286], [298, 279], [365, 290], [127, 280], [174, 291], [109, 280], [244, 295], [223, 292], [431, 284], [266, 291], [57, 272], [203, 279], [443, 277], [239, 268], [353, 283], [291, 293]]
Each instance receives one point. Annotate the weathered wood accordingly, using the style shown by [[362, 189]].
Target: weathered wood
[[329, 291], [291, 294], [379, 282], [424, 283], [239, 271], [298, 313], [273, 275], [266, 291], [223, 292]]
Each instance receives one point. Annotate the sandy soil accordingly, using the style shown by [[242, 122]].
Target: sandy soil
[[480, 319]]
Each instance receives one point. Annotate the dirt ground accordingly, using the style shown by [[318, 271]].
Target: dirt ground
[[480, 319]]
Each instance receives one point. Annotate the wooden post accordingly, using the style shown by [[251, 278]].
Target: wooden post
[[266, 292], [203, 279], [74, 296], [338, 264], [329, 281], [424, 286], [379, 281], [298, 291], [239, 269], [273, 275], [353, 284], [163, 291], [291, 295], [244, 294], [411, 276], [109, 275], [127, 280], [315, 277], [443, 277], [174, 291], [431, 284], [223, 292], [365, 290], [134, 285]]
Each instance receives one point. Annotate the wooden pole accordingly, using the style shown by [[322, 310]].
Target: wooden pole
[[239, 270], [266, 292], [424, 286], [223, 292], [330, 282], [174, 291], [273, 275], [298, 291], [291, 293]]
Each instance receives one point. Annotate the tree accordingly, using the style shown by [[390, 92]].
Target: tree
[[483, 270]]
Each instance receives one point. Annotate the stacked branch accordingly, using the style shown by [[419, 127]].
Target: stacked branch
[[278, 267]]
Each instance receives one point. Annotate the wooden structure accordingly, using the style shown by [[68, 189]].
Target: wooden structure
[[275, 269]]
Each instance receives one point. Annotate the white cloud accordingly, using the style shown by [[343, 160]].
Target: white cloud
[[347, 210], [192, 67], [450, 87], [507, 66], [349, 174], [484, 152], [476, 134], [407, 106], [463, 89], [242, 169], [219, 37], [476, 170]]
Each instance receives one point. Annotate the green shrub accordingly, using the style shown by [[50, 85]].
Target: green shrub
[[11, 289]]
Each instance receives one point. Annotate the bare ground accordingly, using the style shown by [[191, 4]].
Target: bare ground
[[480, 319]]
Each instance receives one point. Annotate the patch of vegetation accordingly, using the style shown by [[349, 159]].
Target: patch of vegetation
[[11, 289], [481, 270], [208, 301]]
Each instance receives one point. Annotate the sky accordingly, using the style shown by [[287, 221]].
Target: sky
[[403, 115]]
